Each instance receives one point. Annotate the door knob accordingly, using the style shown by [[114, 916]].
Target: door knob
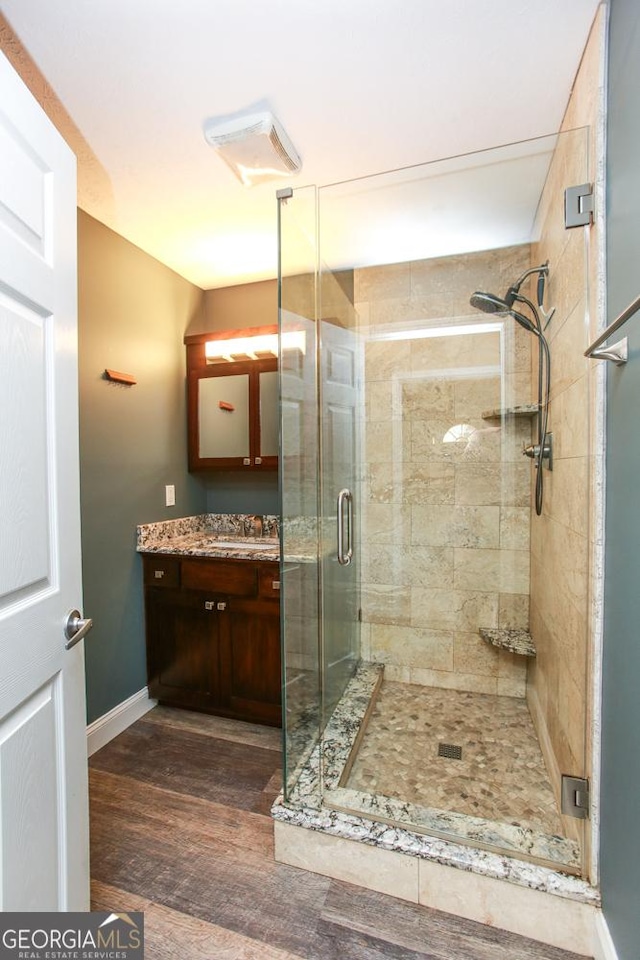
[[75, 628]]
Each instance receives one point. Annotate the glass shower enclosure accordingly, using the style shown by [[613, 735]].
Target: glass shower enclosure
[[434, 627]]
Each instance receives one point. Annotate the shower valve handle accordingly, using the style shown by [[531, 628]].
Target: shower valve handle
[[533, 451]]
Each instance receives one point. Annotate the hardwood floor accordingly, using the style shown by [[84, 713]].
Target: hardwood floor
[[180, 829]]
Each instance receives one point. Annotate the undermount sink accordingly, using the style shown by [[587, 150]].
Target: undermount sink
[[241, 543]]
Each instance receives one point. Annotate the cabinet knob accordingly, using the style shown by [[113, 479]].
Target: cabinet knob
[[276, 584], [258, 459], [222, 606], [209, 605], [158, 574], [247, 462]]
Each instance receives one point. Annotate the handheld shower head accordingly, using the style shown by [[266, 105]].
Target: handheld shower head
[[490, 303]]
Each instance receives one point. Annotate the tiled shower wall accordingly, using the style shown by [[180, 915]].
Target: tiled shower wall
[[559, 691], [445, 518]]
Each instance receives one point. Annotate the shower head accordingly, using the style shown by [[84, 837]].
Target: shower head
[[490, 303]]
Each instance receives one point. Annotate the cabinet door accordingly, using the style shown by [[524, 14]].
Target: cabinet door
[[183, 648], [223, 417], [250, 663], [233, 419], [268, 413]]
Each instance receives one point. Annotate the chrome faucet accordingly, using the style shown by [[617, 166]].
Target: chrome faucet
[[256, 525]]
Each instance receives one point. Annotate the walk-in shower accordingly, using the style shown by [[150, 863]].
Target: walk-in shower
[[490, 303], [437, 683]]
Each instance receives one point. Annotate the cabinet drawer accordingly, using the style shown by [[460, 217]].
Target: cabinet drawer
[[269, 580], [161, 571], [233, 578]]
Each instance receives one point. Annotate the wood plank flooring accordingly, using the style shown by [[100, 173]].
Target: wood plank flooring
[[180, 829]]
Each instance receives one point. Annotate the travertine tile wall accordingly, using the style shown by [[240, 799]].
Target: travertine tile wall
[[560, 685], [445, 523]]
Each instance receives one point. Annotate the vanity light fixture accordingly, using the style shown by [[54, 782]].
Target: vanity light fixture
[[263, 345]]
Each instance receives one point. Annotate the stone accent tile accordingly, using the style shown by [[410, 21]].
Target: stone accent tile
[[411, 482], [387, 441], [492, 484], [411, 647], [365, 641], [467, 682], [386, 603], [383, 870], [472, 441], [471, 655], [455, 526], [453, 609], [513, 610], [415, 565], [568, 420], [474, 395], [396, 673], [566, 493], [463, 353], [386, 523], [516, 687], [518, 388], [511, 666], [502, 571], [514, 528], [530, 913], [428, 483], [517, 346], [385, 359], [423, 399], [380, 283], [412, 310], [383, 400]]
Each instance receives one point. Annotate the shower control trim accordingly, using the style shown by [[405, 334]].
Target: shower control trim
[[533, 451]]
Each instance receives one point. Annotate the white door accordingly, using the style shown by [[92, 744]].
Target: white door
[[43, 769]]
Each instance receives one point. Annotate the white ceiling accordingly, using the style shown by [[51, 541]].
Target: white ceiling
[[361, 86]]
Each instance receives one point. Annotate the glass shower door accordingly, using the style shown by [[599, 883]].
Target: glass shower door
[[299, 458], [340, 397]]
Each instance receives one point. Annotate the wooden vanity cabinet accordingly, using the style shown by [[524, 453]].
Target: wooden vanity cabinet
[[213, 635], [232, 409]]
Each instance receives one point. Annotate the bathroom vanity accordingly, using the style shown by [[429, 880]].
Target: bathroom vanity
[[212, 609]]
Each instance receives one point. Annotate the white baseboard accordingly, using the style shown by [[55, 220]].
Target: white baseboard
[[108, 726], [604, 947]]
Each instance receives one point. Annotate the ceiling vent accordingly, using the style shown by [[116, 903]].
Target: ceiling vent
[[254, 145]]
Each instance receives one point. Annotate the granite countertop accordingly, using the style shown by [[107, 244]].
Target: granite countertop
[[223, 536]]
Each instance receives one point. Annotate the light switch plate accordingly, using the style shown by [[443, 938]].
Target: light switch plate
[[170, 495]]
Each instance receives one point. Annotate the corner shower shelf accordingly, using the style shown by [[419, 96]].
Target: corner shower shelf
[[519, 410], [515, 641]]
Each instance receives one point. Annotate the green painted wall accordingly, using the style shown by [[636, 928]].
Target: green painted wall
[[620, 807], [133, 314]]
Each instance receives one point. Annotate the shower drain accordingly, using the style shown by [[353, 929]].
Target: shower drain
[[450, 750]]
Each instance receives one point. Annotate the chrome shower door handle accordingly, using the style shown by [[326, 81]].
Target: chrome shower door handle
[[344, 557]]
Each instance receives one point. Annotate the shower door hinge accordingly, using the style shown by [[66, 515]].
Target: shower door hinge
[[578, 205], [575, 797]]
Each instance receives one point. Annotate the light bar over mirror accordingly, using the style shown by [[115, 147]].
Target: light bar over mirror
[[254, 347]]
